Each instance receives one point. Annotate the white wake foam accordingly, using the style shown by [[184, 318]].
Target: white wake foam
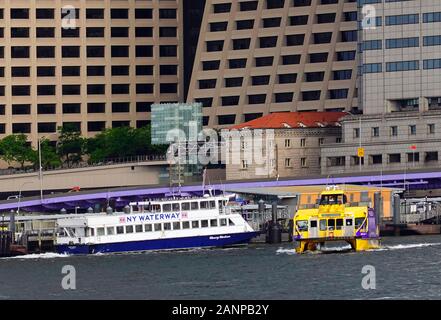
[[286, 251], [408, 246], [47, 255]]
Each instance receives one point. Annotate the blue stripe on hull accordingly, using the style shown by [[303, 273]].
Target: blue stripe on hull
[[160, 244]]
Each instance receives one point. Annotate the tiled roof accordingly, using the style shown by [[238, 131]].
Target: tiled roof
[[283, 120]]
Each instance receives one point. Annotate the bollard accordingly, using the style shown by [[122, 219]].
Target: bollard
[[89, 210], [109, 210], [377, 207], [126, 209], [63, 211], [397, 217], [261, 210], [12, 225], [274, 232]]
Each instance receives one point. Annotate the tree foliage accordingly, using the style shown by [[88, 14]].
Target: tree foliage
[[49, 156], [70, 144], [72, 147], [16, 148], [121, 142]]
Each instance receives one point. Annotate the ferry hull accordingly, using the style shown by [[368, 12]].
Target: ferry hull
[[160, 244]]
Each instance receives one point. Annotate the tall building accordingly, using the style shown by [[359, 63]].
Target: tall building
[[262, 56], [94, 64], [400, 92]]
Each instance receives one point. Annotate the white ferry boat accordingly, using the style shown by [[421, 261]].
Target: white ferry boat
[[155, 225]]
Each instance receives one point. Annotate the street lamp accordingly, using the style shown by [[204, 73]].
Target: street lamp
[[19, 194], [40, 169]]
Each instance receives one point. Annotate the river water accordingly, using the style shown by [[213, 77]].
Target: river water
[[405, 268]]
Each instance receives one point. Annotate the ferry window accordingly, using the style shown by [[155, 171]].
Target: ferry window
[[138, 228], [339, 224], [186, 225], [220, 203], [223, 222], [166, 207], [204, 223], [167, 226], [204, 205], [194, 206], [213, 204], [213, 223], [176, 207], [230, 222], [120, 230], [147, 227], [302, 225], [154, 208], [358, 222], [333, 199], [176, 225], [185, 206], [349, 222], [195, 224], [158, 227], [331, 224], [92, 232], [100, 231], [110, 231], [129, 229], [323, 225], [313, 224]]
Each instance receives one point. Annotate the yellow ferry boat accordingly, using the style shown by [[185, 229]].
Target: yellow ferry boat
[[336, 220]]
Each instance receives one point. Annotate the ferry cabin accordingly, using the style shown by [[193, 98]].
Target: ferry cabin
[[191, 219], [334, 218]]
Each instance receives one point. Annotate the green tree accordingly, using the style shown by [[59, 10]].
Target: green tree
[[49, 156], [15, 148], [70, 144], [121, 142]]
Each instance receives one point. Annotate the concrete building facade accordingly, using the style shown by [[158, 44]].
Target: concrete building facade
[[291, 144], [391, 142], [94, 64], [399, 91], [401, 57], [263, 56]]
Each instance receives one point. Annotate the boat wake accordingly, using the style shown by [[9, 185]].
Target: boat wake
[[286, 251], [407, 246], [47, 255]]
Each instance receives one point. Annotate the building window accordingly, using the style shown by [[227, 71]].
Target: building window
[[431, 128], [288, 163], [413, 157], [244, 164], [287, 143], [431, 156], [394, 131], [394, 158], [356, 133], [321, 141], [412, 129], [375, 132], [302, 142], [376, 159], [303, 162]]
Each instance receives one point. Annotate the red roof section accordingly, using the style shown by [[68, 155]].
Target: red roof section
[[286, 120]]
